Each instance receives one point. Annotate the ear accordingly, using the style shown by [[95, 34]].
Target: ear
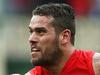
[[65, 36]]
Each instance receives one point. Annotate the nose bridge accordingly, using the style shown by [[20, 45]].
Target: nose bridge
[[33, 37]]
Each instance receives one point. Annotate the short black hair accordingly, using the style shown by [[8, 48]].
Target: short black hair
[[63, 14]]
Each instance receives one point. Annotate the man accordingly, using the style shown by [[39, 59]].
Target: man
[[52, 29]]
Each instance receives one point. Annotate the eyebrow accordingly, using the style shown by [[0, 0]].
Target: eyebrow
[[38, 28]]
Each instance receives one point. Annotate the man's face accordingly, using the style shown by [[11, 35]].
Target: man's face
[[43, 41]]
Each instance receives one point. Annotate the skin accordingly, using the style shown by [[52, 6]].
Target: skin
[[47, 46], [96, 63], [50, 47]]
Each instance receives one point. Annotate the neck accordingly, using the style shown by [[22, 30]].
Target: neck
[[56, 69]]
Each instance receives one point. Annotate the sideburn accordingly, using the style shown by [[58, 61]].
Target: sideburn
[[56, 55]]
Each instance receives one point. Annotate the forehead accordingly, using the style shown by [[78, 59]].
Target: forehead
[[40, 21]]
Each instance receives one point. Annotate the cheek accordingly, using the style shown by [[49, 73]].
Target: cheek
[[47, 42]]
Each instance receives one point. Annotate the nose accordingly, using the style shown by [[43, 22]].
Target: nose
[[33, 39]]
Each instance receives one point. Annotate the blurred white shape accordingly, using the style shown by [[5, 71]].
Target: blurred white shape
[[15, 74]]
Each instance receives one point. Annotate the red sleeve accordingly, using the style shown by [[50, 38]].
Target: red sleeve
[[38, 70]]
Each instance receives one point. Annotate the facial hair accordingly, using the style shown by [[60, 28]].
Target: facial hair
[[50, 59]]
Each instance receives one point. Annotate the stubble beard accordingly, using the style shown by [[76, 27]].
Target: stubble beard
[[49, 60]]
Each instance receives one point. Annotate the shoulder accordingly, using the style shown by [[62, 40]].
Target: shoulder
[[88, 54], [96, 57], [96, 63], [31, 72], [38, 70], [34, 71]]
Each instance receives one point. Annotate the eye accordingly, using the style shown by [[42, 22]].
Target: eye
[[40, 31], [31, 31]]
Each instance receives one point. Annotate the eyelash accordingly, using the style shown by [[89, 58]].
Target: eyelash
[[30, 31], [40, 32]]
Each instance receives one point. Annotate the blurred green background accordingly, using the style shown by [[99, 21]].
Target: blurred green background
[[14, 47]]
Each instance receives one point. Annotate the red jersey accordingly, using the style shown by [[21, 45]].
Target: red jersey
[[80, 63]]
